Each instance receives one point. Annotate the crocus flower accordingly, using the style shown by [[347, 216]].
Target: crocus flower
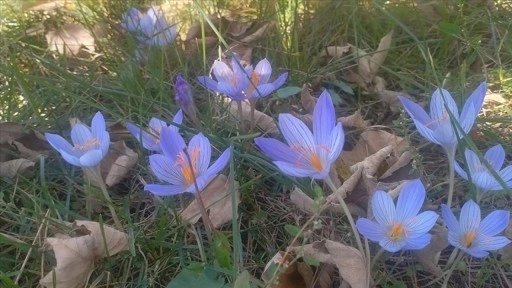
[[437, 126], [150, 28], [151, 139], [184, 97], [240, 83], [180, 170], [89, 147], [307, 154], [401, 227], [473, 235], [480, 175]]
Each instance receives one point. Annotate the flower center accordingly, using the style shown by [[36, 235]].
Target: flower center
[[397, 232], [469, 238], [87, 145], [255, 81], [188, 169], [313, 158], [438, 121], [315, 162]]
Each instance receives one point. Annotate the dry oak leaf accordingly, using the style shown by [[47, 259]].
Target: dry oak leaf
[[296, 275], [349, 261], [15, 167], [217, 200], [263, 122], [76, 256]]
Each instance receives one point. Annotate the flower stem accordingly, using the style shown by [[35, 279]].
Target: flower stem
[[450, 271], [451, 174], [96, 173], [252, 103], [240, 114], [344, 206]]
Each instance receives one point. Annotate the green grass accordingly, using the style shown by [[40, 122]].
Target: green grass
[[41, 90]]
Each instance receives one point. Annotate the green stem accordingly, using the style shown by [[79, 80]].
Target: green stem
[[240, 115], [451, 175], [96, 173], [376, 257], [450, 271], [348, 214]]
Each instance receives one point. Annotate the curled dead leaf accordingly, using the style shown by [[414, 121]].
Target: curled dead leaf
[[262, 121], [429, 256], [217, 200], [76, 256], [307, 101], [355, 120], [15, 167], [296, 275]]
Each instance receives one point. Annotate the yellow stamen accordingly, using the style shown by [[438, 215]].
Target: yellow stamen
[[87, 145], [255, 81], [312, 156], [468, 239], [397, 232], [315, 161], [443, 118], [188, 170]]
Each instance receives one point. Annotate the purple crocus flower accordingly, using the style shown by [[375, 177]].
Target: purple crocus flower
[[184, 97], [240, 83], [90, 145], [401, 227], [473, 235], [151, 139], [151, 28], [437, 126], [180, 170], [480, 175], [307, 154]]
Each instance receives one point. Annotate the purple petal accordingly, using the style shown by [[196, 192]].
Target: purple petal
[[475, 252], [324, 119], [473, 162], [450, 220], [296, 133], [201, 145], [421, 224], [506, 174], [98, 124], [370, 229], [415, 111], [491, 243], [164, 190], [91, 159], [472, 107], [426, 132], [229, 90], [165, 170], [277, 150], [208, 82], [292, 170], [469, 217], [280, 80], [263, 70], [418, 242], [172, 143], [156, 125], [494, 223], [337, 140], [177, 119], [437, 108], [222, 72], [150, 142], [495, 156], [263, 90], [460, 171], [60, 144], [130, 20], [454, 239], [80, 135], [135, 130], [104, 142], [383, 208], [392, 246], [218, 165], [410, 200], [485, 181], [70, 158]]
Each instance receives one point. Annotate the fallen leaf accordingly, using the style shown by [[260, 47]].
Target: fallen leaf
[[335, 51], [349, 261], [217, 200], [506, 252], [76, 256], [262, 121], [10, 131], [307, 101], [429, 256], [378, 58], [69, 39], [355, 120], [15, 167], [303, 201], [295, 275]]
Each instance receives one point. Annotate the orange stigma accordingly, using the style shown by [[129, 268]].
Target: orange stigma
[[255, 81], [469, 238], [87, 145], [315, 161], [397, 232], [188, 170]]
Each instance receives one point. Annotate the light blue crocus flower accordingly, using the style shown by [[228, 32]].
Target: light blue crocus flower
[[181, 169], [151, 139], [437, 127], [401, 227], [90, 145], [150, 28], [239, 83], [307, 154], [480, 175], [473, 235]]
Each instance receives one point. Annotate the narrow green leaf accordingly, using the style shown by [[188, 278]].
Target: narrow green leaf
[[287, 92]]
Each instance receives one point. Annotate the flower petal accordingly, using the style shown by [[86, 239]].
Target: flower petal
[[280, 80], [208, 82], [80, 135], [370, 229], [473, 162], [229, 90], [392, 246], [71, 159], [91, 159], [383, 208], [469, 216], [491, 243], [292, 170], [415, 111], [164, 190], [98, 124], [449, 219], [165, 170], [475, 252], [60, 144], [460, 171], [495, 156], [200, 144], [418, 242], [222, 72], [472, 107], [263, 90], [337, 140], [220, 163], [410, 200], [156, 125], [135, 130], [494, 223], [263, 70], [437, 106], [177, 119], [104, 142], [324, 119], [454, 239], [296, 133], [421, 224], [506, 174], [277, 150], [172, 143]]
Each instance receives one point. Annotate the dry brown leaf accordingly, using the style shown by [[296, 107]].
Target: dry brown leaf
[[506, 252], [355, 120], [429, 256], [258, 33], [296, 275], [349, 261], [378, 58], [335, 51], [15, 167], [70, 38], [76, 256], [302, 201], [217, 200], [10, 131], [263, 122], [307, 101]]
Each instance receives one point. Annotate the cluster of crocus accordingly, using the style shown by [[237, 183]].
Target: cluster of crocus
[[242, 83], [150, 28], [90, 145]]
